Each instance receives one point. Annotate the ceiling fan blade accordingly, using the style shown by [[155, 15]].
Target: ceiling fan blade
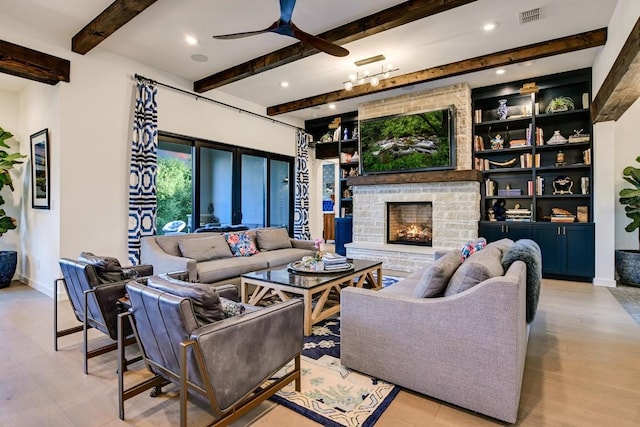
[[247, 33], [318, 43], [286, 9]]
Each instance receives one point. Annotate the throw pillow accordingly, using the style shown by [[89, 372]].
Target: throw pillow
[[435, 278], [204, 298], [205, 249], [231, 308], [241, 244], [270, 239], [477, 268], [527, 251], [471, 248], [108, 269]]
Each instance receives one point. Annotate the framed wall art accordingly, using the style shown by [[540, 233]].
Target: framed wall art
[[40, 179]]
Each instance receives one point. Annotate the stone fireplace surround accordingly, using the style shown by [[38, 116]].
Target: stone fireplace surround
[[456, 214], [455, 194]]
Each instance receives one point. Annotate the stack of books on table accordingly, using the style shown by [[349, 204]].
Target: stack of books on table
[[334, 261]]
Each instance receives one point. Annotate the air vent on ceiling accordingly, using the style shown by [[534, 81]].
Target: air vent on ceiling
[[529, 15]]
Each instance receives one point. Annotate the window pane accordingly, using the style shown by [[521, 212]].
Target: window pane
[[254, 190], [279, 195], [216, 172], [174, 188]]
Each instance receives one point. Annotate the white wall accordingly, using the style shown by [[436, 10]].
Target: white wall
[[615, 146], [627, 139], [89, 121]]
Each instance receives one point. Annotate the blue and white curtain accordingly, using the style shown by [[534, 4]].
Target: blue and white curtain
[[301, 206], [142, 177]]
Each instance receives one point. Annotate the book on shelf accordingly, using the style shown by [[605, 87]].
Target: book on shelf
[[509, 192], [479, 143], [539, 186], [526, 160], [490, 187], [563, 218], [586, 156], [539, 136], [479, 164], [516, 143], [529, 188], [477, 115]]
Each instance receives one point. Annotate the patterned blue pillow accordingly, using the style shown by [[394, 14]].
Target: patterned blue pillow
[[470, 248], [241, 244]]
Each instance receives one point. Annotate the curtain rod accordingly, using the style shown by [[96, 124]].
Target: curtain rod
[[198, 96]]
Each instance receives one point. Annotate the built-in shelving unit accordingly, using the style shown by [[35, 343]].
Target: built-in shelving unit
[[535, 185], [335, 137]]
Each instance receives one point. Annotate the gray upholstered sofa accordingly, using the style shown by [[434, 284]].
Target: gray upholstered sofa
[[467, 348], [208, 259]]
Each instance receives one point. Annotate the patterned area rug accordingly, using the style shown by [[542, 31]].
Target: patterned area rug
[[333, 395], [629, 299]]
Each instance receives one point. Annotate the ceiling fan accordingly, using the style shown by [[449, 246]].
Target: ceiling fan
[[285, 27]]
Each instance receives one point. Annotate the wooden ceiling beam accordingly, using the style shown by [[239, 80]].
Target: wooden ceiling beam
[[621, 87], [111, 19], [511, 56], [33, 65], [392, 17]]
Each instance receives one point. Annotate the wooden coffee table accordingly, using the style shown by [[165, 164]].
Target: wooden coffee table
[[285, 284]]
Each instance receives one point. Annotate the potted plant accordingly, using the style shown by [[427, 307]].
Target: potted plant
[[561, 103], [8, 259], [628, 260]]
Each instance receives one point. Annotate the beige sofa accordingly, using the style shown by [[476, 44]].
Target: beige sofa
[[208, 259], [466, 348]]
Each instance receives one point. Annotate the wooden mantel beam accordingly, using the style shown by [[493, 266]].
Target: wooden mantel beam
[[511, 56], [621, 87], [33, 65], [392, 17], [111, 19]]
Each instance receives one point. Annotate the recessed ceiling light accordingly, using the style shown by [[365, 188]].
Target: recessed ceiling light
[[284, 84], [490, 26], [191, 40], [199, 57], [500, 71], [332, 106]]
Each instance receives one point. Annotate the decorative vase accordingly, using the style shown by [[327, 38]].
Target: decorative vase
[[319, 265], [628, 266], [8, 261], [557, 139], [503, 109]]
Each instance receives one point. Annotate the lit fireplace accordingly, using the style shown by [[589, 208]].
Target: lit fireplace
[[409, 223]]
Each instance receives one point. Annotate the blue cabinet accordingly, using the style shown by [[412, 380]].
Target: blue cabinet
[[344, 233]]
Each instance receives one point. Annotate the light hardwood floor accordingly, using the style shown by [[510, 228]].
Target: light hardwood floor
[[582, 369]]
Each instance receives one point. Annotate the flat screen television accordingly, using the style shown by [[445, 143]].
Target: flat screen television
[[411, 142]]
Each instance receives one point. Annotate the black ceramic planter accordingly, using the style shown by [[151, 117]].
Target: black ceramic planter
[[628, 266], [8, 261]]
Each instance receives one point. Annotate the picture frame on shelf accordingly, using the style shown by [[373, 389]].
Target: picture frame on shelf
[[40, 178]]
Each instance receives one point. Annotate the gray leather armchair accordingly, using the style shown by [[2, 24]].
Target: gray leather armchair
[[94, 285], [224, 362]]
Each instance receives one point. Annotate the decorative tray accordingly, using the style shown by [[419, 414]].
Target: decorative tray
[[300, 267]]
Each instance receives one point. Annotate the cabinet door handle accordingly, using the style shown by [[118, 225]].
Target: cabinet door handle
[[558, 230], [506, 228], [564, 230]]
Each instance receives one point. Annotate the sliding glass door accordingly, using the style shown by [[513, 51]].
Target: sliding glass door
[[211, 184], [253, 190], [216, 186]]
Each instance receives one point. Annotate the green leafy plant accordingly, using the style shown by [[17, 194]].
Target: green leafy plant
[[630, 198], [561, 103], [7, 162]]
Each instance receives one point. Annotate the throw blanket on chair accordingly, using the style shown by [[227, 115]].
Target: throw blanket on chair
[[528, 251]]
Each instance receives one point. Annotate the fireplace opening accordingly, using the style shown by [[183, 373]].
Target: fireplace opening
[[409, 223]]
